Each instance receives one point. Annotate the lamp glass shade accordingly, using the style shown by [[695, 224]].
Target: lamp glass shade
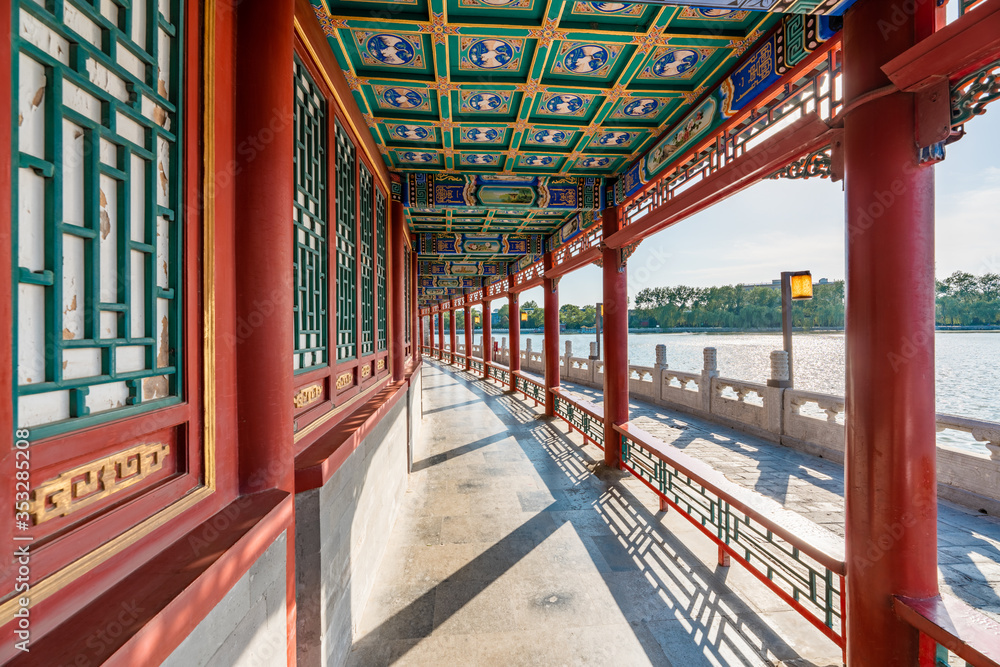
[[802, 286], [524, 317]]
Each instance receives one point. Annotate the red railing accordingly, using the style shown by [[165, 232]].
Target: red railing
[[949, 627], [799, 561], [582, 416]]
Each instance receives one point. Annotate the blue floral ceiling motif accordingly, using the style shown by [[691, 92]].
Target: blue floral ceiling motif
[[541, 88]]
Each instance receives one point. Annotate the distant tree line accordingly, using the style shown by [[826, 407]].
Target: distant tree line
[[967, 300], [735, 307], [962, 300]]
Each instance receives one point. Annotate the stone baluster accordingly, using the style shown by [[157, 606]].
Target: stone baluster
[[709, 372], [774, 395], [592, 366], [568, 344], [659, 369]]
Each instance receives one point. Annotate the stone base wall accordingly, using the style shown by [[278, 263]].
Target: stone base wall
[[248, 627], [341, 531]]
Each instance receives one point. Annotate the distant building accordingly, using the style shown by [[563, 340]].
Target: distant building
[[776, 284]]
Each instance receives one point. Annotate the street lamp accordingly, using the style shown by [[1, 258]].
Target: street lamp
[[795, 286]]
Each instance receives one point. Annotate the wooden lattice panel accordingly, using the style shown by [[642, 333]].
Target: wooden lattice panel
[[310, 164], [97, 226]]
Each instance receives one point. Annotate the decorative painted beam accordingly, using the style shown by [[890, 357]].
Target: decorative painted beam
[[771, 64], [495, 243], [462, 282], [456, 268], [426, 192]]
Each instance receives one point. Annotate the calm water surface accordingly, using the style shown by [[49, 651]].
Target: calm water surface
[[968, 381]]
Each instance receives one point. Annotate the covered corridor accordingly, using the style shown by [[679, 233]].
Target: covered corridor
[[516, 546]]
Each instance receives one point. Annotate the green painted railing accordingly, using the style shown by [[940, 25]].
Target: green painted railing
[[530, 388], [583, 417], [498, 373], [478, 366], [798, 560]]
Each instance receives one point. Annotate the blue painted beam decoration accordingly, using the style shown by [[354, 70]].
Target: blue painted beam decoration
[[447, 267], [426, 192], [797, 37], [455, 282], [480, 243]]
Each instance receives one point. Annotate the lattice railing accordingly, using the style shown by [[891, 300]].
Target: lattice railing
[[584, 418], [497, 288], [532, 273], [579, 245], [498, 373], [477, 365], [530, 388], [818, 90], [798, 560]]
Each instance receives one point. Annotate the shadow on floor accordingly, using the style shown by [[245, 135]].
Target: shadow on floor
[[681, 612]]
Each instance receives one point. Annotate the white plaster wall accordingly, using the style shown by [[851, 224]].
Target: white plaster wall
[[341, 533]]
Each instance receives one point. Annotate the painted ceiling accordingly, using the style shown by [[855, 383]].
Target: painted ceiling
[[531, 89]]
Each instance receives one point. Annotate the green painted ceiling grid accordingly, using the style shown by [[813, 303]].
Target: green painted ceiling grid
[[421, 103]]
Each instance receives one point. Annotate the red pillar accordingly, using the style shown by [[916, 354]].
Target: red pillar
[[487, 332], [454, 332], [414, 309], [551, 345], [431, 329], [615, 342], [264, 201], [514, 314], [440, 334], [468, 337], [397, 335], [891, 503]]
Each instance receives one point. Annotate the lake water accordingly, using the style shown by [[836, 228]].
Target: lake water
[[968, 382]]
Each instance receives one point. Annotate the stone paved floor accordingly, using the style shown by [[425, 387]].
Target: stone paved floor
[[969, 542], [515, 548]]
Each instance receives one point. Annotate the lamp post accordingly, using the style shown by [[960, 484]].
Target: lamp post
[[795, 286]]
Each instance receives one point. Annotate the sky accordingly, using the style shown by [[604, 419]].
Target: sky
[[786, 225]]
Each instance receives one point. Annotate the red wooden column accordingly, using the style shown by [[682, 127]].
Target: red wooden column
[[414, 306], [419, 328], [454, 332], [440, 334], [468, 336], [397, 335], [891, 503], [514, 314], [264, 201], [431, 328], [551, 344], [487, 334], [615, 342]]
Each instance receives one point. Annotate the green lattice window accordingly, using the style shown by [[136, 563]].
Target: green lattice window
[[367, 257], [380, 242], [310, 164], [347, 337], [97, 215]]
